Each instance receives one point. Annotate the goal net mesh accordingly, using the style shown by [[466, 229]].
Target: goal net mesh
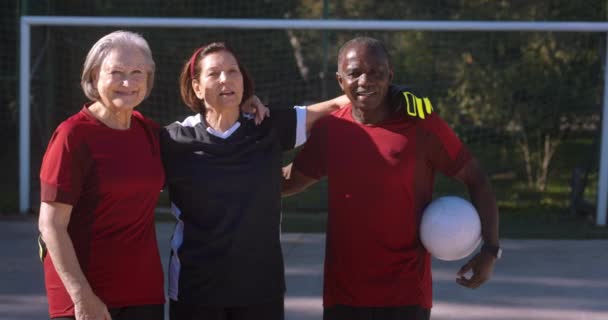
[[528, 104]]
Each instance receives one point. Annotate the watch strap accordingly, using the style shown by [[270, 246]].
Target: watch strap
[[495, 251]]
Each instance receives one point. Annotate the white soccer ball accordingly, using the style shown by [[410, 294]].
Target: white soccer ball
[[450, 228]]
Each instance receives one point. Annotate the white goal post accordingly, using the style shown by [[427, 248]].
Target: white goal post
[[389, 25]]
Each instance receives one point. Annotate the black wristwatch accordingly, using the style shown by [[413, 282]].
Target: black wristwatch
[[496, 251]]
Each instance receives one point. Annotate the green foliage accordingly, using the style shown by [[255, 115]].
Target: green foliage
[[519, 100], [509, 82], [538, 112]]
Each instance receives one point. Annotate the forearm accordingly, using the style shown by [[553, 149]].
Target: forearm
[[61, 250], [484, 200], [290, 188], [316, 111], [294, 182]]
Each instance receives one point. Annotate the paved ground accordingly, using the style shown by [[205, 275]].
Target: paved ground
[[552, 280]]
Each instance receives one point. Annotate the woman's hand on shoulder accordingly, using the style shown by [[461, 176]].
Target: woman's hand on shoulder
[[254, 106], [341, 101]]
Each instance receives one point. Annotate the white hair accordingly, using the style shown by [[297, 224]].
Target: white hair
[[101, 49]]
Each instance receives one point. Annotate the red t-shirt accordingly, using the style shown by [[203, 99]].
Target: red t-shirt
[[112, 178], [380, 179]]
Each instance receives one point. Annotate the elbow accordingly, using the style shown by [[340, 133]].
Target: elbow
[[52, 219], [43, 222], [46, 227], [478, 184]]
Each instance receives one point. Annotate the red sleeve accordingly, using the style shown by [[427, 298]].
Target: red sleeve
[[63, 167], [312, 159], [446, 152]]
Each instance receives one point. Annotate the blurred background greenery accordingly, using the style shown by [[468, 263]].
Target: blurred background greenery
[[528, 104]]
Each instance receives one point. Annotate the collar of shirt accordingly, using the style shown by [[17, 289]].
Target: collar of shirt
[[225, 134]]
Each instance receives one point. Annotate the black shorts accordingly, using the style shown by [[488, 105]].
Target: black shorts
[[147, 312], [273, 310], [340, 312]]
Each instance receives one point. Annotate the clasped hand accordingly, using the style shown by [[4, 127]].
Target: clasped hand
[[482, 266]]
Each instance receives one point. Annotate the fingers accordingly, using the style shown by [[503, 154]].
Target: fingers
[[247, 105], [255, 106], [474, 282], [258, 118], [287, 171], [342, 101], [479, 277], [91, 308], [465, 268], [107, 315], [261, 114], [481, 266], [461, 275]]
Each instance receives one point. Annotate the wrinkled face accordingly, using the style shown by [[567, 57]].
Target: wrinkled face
[[220, 83], [122, 79], [364, 75]]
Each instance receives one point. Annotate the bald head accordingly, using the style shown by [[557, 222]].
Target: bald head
[[371, 44]]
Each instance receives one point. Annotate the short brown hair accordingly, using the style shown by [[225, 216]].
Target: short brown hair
[[186, 77]]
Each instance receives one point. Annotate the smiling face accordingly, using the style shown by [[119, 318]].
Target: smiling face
[[220, 84], [122, 79], [364, 74]]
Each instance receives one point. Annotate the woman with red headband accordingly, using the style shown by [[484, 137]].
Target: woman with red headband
[[100, 181], [224, 182]]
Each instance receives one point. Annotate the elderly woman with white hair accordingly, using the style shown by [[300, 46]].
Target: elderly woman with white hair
[[100, 180]]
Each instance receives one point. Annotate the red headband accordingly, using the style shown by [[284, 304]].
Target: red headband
[[193, 60]]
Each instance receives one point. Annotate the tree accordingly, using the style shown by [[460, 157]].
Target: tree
[[535, 87]]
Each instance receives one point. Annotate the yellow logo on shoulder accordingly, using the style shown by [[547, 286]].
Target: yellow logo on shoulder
[[417, 107]]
